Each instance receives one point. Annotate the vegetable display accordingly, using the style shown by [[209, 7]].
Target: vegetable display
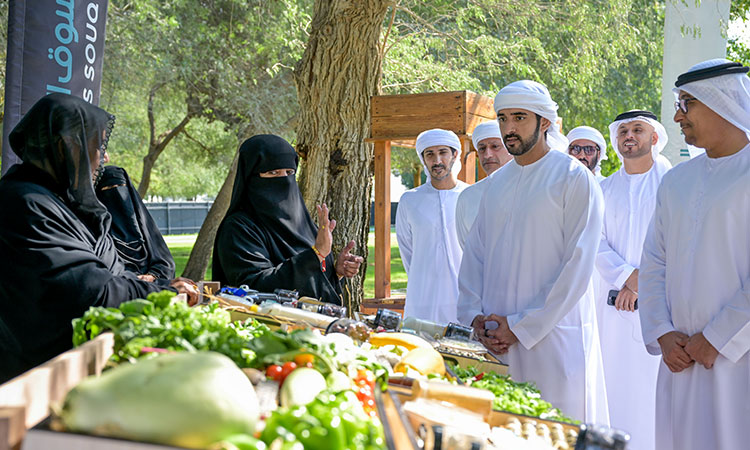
[[327, 383], [330, 422], [189, 400], [511, 396], [160, 323]]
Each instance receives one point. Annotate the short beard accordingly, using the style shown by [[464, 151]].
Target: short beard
[[593, 164], [526, 146], [448, 170], [640, 151]]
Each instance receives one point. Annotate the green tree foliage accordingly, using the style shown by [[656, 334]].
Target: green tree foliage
[[597, 58], [406, 164], [738, 50], [223, 65]]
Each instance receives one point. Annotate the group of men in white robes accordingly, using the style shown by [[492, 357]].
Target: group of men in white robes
[[576, 279]]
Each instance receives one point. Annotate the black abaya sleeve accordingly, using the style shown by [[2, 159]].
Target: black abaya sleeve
[[50, 273], [245, 256], [161, 262]]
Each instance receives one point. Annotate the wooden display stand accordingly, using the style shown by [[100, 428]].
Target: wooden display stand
[[27, 399], [398, 119]]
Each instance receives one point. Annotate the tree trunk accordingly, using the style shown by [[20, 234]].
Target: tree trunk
[[200, 255], [339, 71], [417, 176], [156, 145]]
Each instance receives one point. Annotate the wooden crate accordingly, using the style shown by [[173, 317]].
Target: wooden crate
[[26, 400], [396, 117]]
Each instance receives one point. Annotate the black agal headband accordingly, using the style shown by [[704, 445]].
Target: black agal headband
[[636, 113], [711, 72]]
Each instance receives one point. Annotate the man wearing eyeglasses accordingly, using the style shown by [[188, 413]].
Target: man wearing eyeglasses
[[588, 146], [695, 268], [629, 200]]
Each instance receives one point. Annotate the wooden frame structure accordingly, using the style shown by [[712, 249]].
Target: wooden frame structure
[[397, 120]]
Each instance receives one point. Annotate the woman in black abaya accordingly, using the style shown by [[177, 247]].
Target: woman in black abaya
[[56, 256], [137, 239], [267, 239]]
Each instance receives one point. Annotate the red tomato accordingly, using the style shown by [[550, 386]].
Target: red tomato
[[286, 369], [274, 372]]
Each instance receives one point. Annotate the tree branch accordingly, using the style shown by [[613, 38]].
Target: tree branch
[[200, 144]]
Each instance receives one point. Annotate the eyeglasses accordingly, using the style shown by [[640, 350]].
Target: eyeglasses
[[682, 104], [587, 149]]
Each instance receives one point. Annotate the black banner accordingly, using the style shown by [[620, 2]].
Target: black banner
[[53, 46]]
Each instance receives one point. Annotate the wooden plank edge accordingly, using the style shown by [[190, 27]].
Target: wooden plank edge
[[36, 390]]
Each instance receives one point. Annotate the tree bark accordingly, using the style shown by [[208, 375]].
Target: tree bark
[[339, 71], [201, 253], [417, 174]]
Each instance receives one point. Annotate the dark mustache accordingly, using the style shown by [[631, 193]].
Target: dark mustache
[[508, 136], [442, 166]]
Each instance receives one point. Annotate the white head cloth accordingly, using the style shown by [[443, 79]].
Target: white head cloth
[[661, 134], [726, 95], [437, 136], [534, 97], [591, 134], [485, 130]]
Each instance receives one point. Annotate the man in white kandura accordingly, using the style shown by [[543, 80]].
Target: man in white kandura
[[694, 277], [586, 144], [629, 200], [529, 258], [426, 230], [493, 155]]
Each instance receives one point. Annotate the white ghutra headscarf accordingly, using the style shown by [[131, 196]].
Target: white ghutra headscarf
[[642, 116], [485, 130], [534, 97], [438, 136], [593, 135], [723, 86]]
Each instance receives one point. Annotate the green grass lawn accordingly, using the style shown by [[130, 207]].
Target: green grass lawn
[[181, 245]]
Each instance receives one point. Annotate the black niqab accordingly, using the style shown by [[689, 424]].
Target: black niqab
[[266, 238], [139, 243], [273, 203]]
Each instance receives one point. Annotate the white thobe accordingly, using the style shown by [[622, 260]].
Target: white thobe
[[467, 208], [629, 370], [529, 257], [695, 277], [426, 233]]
